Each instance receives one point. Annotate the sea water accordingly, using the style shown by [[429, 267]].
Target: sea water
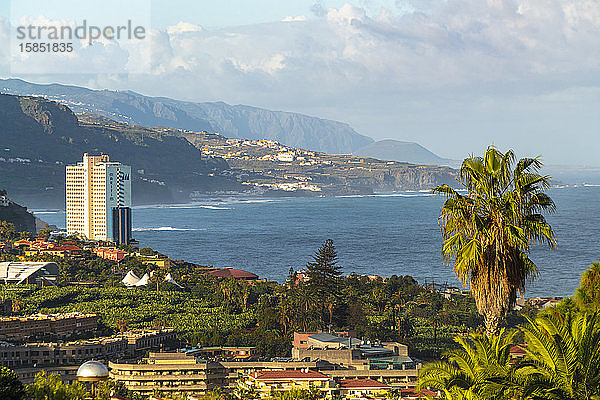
[[382, 234]]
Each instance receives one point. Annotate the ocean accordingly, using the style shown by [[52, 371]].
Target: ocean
[[382, 234]]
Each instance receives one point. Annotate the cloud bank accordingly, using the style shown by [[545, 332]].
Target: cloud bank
[[520, 73]]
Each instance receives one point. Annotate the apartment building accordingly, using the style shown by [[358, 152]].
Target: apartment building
[[96, 191], [170, 373], [29, 358]]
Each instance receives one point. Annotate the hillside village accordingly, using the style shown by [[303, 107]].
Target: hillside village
[[267, 167]]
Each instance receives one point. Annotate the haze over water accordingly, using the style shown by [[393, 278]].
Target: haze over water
[[380, 234]]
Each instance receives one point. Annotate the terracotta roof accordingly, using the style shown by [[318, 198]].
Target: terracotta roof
[[68, 247], [231, 273], [288, 375], [517, 350], [363, 384]]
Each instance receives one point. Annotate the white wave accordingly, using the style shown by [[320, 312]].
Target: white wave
[[404, 194], [167, 228], [45, 211], [189, 206], [209, 207], [590, 185]]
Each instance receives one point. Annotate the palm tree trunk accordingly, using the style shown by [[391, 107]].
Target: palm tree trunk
[[492, 324]]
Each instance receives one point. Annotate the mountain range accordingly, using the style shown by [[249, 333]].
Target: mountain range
[[234, 121], [38, 137]]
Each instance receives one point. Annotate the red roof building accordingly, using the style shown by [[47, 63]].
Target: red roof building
[[234, 273], [110, 253], [517, 352], [265, 383], [289, 375], [363, 384]]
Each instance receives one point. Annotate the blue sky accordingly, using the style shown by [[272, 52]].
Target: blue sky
[[452, 75]]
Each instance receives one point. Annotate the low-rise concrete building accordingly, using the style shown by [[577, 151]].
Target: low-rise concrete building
[[170, 373], [39, 355], [225, 353], [188, 372], [57, 325], [30, 358]]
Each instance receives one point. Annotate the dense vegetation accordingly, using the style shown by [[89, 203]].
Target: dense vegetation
[[487, 235], [210, 311], [561, 361]]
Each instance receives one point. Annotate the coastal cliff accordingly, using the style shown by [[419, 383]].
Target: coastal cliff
[[18, 216]]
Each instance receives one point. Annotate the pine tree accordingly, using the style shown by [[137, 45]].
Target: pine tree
[[323, 272]]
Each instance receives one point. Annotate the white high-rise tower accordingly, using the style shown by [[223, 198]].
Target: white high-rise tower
[[94, 187]]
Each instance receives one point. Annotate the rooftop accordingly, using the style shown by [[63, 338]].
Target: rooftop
[[292, 375], [20, 271], [231, 273], [329, 338], [51, 317]]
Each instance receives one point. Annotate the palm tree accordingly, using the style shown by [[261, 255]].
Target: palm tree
[[563, 357], [488, 231], [470, 372]]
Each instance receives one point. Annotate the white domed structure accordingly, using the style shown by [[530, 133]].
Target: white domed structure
[[92, 371]]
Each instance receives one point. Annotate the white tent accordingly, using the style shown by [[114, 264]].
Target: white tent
[[169, 278], [143, 281], [130, 279]]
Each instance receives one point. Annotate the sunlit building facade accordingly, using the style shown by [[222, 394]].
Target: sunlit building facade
[[93, 188]]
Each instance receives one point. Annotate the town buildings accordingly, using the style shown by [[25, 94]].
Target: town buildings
[[192, 371], [43, 247], [331, 363], [27, 359], [169, 373], [94, 188]]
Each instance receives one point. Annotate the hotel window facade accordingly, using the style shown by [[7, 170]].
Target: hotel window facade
[[94, 187]]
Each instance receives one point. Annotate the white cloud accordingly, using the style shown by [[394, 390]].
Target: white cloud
[[434, 61], [183, 27], [295, 19]]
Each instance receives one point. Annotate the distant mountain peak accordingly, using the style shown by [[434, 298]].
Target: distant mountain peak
[[410, 152]]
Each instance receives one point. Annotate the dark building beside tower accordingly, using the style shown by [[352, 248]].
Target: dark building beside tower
[[121, 225]]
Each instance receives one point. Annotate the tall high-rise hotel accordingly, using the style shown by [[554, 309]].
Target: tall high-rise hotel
[[98, 199]]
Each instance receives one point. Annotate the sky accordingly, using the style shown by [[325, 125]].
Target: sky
[[452, 75]]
